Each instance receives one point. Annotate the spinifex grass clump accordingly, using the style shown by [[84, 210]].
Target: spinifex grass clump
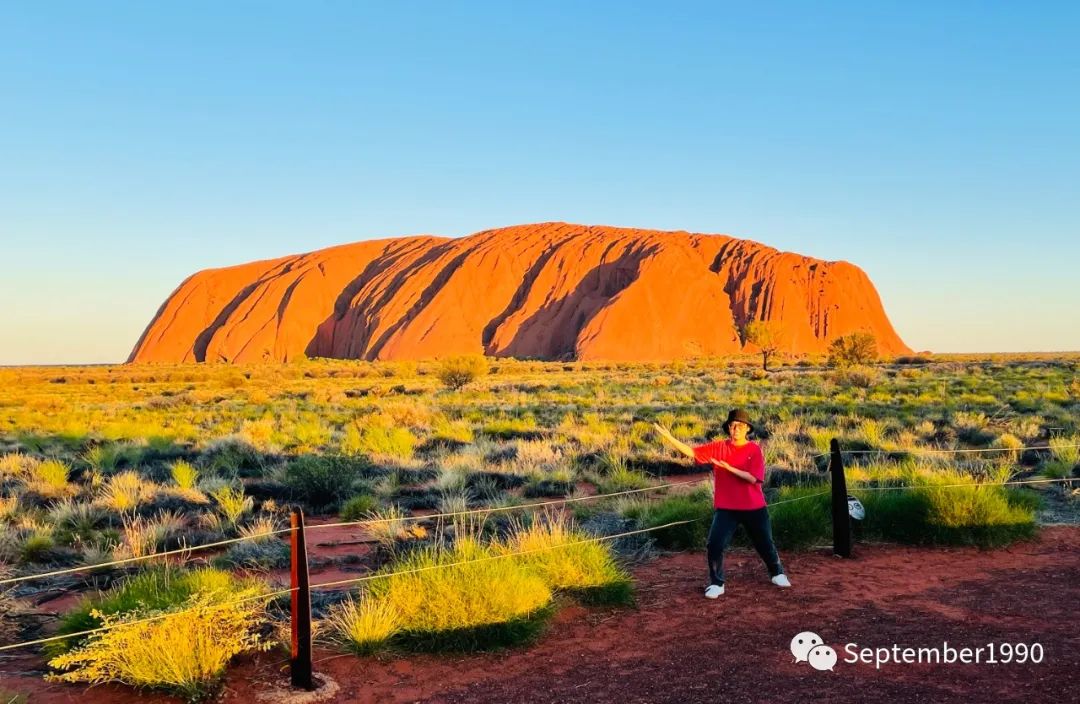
[[184, 475], [363, 626], [474, 596], [50, 479], [948, 507], [568, 560], [159, 589], [184, 652], [1066, 457], [125, 491], [378, 436], [477, 604], [232, 504]]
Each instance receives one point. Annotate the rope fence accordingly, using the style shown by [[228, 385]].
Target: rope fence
[[841, 528], [140, 558], [969, 484], [187, 550], [149, 619], [368, 521], [918, 450], [371, 577]]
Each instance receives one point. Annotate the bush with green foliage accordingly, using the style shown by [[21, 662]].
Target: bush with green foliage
[[323, 481], [473, 605], [767, 336], [457, 372], [854, 348], [379, 439], [260, 555], [358, 507]]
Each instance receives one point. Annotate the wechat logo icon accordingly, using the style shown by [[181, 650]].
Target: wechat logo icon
[[809, 647]]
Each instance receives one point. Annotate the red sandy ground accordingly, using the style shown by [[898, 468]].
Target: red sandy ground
[[677, 646]]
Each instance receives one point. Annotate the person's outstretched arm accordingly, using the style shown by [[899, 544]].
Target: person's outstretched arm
[[673, 441]]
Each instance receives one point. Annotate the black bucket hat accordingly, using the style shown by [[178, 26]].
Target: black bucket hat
[[739, 415]]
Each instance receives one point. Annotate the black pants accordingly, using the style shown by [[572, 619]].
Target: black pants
[[757, 525]]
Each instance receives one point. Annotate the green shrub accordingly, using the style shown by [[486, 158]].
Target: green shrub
[[323, 481], [1024, 499], [457, 372], [452, 431], [232, 504], [233, 456], [509, 428], [854, 348], [1055, 469], [622, 480], [900, 516], [37, 546], [977, 515], [125, 491], [50, 478], [358, 507], [1066, 450]]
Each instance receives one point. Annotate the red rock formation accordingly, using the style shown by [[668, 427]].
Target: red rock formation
[[550, 291]]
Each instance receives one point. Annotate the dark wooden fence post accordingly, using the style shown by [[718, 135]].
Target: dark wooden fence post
[[841, 521], [300, 663]]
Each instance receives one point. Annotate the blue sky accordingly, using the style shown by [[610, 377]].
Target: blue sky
[[935, 145]]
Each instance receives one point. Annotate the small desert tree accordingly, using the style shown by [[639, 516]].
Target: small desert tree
[[854, 348], [767, 335], [456, 372]]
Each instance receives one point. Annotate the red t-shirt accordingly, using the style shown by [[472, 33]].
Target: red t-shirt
[[730, 491]]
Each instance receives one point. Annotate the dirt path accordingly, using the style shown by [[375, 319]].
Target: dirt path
[[677, 646]]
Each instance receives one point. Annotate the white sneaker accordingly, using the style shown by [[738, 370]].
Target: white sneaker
[[781, 580], [714, 591]]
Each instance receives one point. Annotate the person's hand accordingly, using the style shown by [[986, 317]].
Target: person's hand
[[736, 471]]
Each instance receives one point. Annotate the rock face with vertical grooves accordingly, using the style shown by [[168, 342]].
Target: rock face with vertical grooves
[[545, 291]]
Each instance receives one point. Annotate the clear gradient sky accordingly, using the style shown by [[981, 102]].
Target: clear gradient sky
[[936, 145]]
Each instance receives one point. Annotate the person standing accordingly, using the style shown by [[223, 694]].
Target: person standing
[[738, 476]]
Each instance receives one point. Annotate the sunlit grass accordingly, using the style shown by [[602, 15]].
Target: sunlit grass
[[184, 652]]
